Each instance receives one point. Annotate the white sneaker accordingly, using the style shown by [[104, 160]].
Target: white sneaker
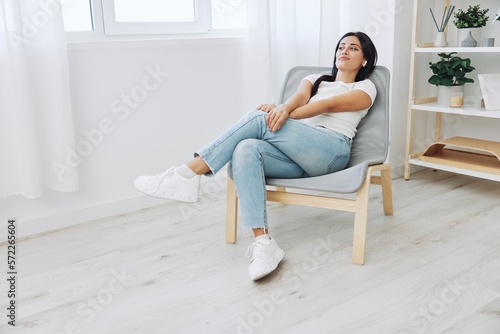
[[170, 185], [266, 255]]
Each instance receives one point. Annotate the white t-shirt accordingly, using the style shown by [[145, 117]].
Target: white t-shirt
[[343, 122]]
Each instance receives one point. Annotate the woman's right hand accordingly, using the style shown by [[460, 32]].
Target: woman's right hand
[[276, 117]]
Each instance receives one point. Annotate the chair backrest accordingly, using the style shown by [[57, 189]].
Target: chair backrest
[[371, 143]]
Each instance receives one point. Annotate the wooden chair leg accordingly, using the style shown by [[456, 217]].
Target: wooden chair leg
[[387, 190], [360, 222], [231, 211]]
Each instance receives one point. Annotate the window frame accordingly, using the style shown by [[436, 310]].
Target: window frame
[[112, 27], [97, 35]]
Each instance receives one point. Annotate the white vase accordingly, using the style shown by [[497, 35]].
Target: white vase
[[440, 40], [444, 94], [475, 32]]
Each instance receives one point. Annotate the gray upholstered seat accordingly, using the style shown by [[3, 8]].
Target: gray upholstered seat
[[370, 145], [369, 151]]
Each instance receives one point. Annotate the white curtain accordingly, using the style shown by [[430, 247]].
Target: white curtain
[[36, 127], [287, 33]]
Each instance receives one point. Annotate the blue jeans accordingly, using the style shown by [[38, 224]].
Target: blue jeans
[[296, 150]]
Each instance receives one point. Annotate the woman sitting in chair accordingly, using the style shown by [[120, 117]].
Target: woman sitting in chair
[[310, 134]]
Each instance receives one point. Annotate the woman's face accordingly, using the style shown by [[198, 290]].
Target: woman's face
[[349, 55]]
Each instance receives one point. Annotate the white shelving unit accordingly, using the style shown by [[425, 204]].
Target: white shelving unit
[[478, 49], [464, 110], [462, 155]]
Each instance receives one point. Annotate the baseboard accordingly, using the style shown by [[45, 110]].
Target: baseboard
[[397, 171]]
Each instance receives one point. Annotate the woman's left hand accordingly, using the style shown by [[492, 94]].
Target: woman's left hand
[[266, 107]]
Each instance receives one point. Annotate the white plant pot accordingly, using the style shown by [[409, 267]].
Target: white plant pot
[[444, 94], [462, 34]]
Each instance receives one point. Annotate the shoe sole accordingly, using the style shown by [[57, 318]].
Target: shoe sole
[[173, 196]]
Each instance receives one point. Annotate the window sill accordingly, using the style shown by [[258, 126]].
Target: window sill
[[95, 40]]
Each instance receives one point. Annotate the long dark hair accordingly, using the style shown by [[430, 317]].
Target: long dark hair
[[369, 52]]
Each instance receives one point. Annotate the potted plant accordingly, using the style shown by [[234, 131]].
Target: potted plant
[[449, 74], [469, 24]]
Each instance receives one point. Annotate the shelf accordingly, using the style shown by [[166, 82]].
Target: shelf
[[469, 156], [463, 171], [449, 49], [459, 155], [464, 110]]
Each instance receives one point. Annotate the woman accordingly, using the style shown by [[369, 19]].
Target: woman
[[310, 134]]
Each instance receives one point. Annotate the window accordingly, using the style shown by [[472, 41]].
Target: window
[[155, 10], [77, 15], [125, 17], [153, 17]]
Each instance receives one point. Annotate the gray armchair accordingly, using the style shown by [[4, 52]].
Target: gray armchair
[[369, 152]]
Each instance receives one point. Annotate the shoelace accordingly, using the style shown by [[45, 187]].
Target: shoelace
[[256, 250], [160, 176]]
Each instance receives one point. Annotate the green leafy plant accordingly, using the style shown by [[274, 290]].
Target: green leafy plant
[[473, 17], [450, 70]]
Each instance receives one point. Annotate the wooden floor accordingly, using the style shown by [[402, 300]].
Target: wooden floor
[[433, 267]]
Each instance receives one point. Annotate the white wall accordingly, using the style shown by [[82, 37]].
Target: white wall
[[193, 98], [400, 84]]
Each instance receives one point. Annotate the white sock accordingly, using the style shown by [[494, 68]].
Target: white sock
[[186, 172], [262, 237]]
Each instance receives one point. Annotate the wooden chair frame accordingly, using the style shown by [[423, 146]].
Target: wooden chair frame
[[359, 206]]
